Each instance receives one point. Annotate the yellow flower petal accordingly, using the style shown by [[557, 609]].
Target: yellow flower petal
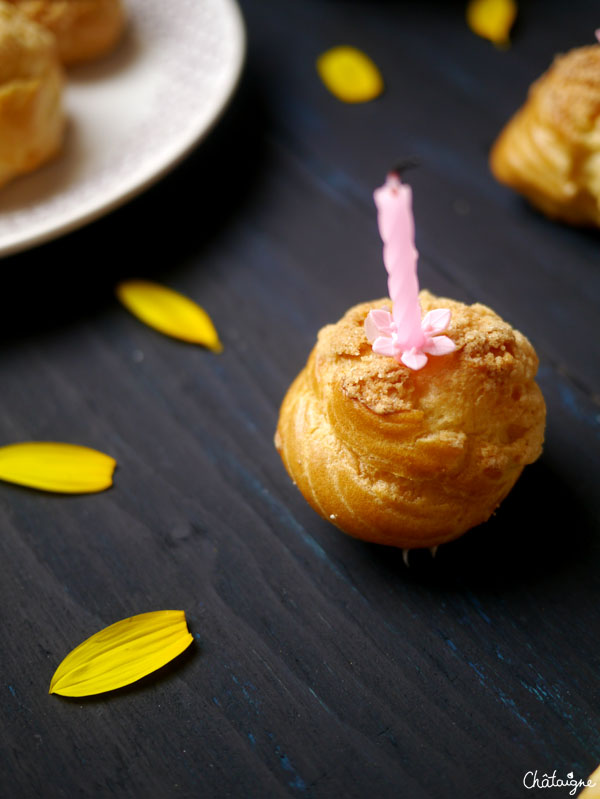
[[349, 74], [592, 789], [122, 653], [169, 312], [65, 468], [492, 19]]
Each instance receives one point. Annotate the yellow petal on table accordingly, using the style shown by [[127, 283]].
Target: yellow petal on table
[[592, 791], [169, 312], [349, 74], [492, 19], [64, 468], [122, 653]]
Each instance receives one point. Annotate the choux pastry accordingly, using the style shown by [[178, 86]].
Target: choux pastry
[[399, 448], [31, 82], [412, 458], [84, 29], [550, 150]]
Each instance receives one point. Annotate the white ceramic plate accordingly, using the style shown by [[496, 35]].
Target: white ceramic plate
[[132, 116]]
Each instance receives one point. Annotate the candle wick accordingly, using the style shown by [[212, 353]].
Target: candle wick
[[404, 165]]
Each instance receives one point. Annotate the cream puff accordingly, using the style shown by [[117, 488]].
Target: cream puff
[[400, 435], [84, 29], [31, 82], [550, 150]]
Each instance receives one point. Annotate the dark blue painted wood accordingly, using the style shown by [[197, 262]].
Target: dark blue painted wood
[[322, 667]]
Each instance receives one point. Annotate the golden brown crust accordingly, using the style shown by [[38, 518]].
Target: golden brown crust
[[550, 150], [31, 81], [84, 29], [412, 458]]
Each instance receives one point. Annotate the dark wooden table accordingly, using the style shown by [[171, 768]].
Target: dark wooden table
[[322, 666]]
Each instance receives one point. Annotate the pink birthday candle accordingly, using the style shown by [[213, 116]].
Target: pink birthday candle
[[402, 334]]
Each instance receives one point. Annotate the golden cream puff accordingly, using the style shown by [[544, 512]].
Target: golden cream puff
[[84, 29], [550, 150], [398, 434], [31, 82]]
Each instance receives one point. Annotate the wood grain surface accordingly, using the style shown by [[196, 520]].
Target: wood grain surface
[[322, 667]]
